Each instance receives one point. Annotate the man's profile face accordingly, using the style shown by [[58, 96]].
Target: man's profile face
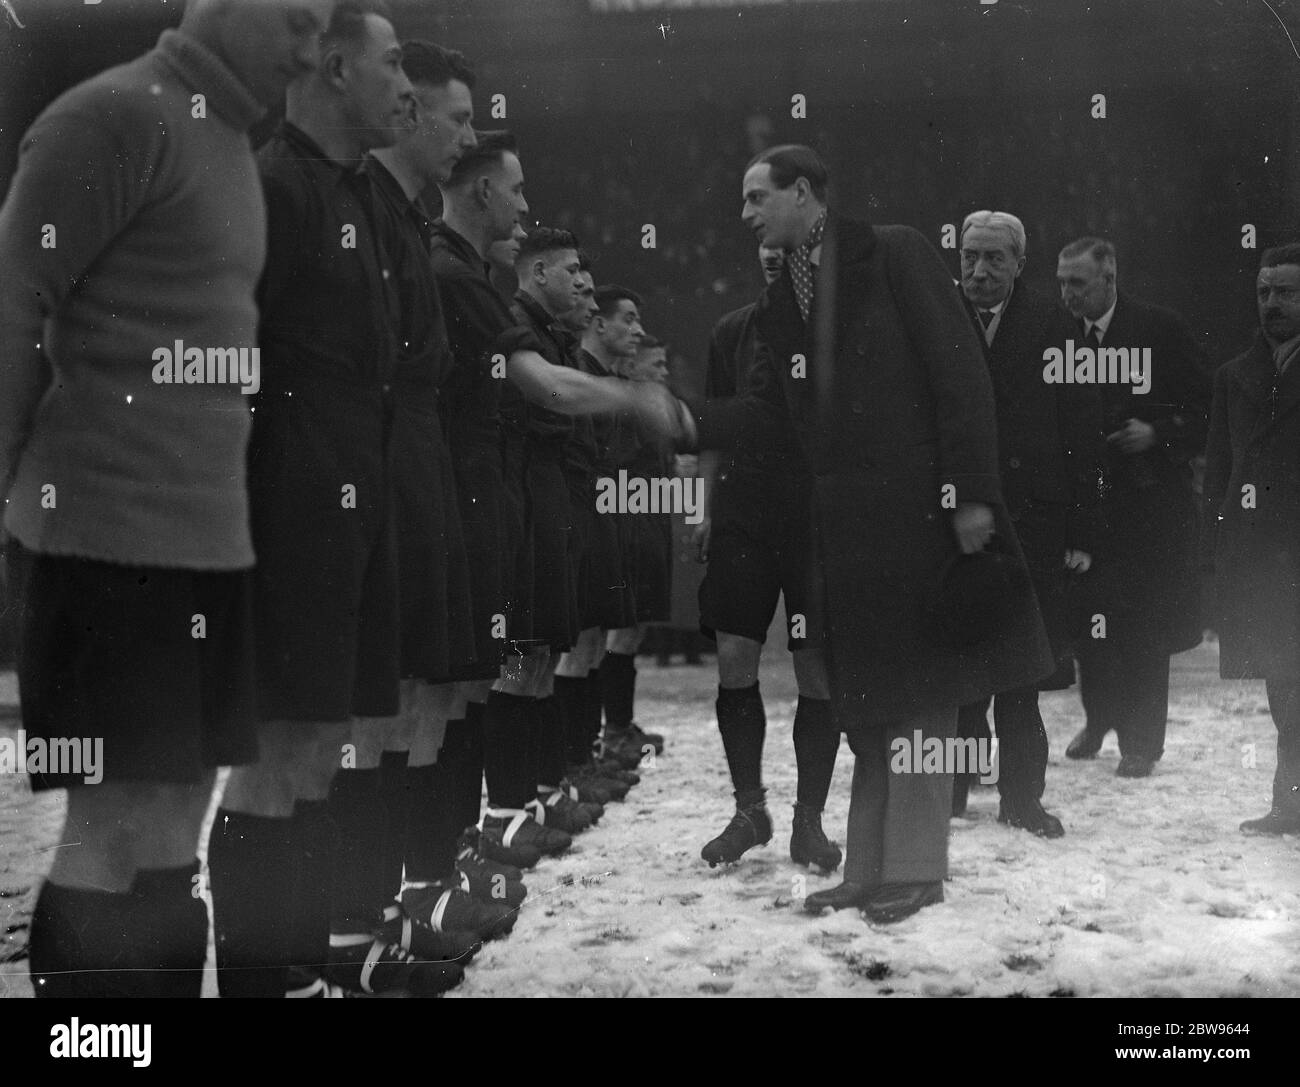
[[444, 129], [559, 279], [621, 332], [379, 94], [773, 215], [580, 317], [1277, 292], [989, 265], [1086, 287], [649, 364], [773, 261], [504, 200], [502, 254], [270, 43]]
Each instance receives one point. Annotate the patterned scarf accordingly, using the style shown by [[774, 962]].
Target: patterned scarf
[[801, 267]]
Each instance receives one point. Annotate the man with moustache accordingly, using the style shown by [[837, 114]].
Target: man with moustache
[[757, 544], [866, 356], [1252, 496], [1145, 585], [1049, 444], [323, 510], [126, 503]]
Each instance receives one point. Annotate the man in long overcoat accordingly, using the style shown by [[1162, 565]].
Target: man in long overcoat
[[1252, 494], [868, 357], [1144, 584]]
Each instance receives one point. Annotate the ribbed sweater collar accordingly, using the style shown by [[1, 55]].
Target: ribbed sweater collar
[[202, 70]]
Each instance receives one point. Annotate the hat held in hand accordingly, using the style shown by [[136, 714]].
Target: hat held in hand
[[976, 595]]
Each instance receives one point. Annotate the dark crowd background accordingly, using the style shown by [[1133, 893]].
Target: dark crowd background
[[631, 113]]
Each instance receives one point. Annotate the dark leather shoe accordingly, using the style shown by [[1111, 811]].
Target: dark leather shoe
[[837, 898], [960, 791], [1085, 745], [1134, 766], [892, 902], [1276, 821], [1028, 814]]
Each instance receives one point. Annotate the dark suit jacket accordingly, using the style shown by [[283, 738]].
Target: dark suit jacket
[[1050, 437], [1147, 575], [1255, 439], [895, 405], [1050, 446]]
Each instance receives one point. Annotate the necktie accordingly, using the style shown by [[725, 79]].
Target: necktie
[[801, 269], [1094, 337], [986, 318]]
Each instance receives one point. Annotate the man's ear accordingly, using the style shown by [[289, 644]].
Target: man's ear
[[331, 67], [1020, 266], [482, 190]]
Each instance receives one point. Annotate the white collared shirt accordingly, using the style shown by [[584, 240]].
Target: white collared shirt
[[1102, 323]]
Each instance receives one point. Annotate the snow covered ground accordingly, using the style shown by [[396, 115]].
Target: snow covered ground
[[1153, 891]]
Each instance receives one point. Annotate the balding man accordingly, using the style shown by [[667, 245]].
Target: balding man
[[124, 466], [1049, 445], [1145, 599]]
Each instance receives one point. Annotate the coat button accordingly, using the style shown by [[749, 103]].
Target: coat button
[[856, 407], [862, 349], [1014, 462]]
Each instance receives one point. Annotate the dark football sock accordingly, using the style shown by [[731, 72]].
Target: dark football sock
[[469, 786], [507, 749], [357, 807], [594, 707], [148, 942], [571, 700], [743, 725], [618, 689], [250, 873], [172, 924], [394, 784], [316, 841], [433, 830], [550, 739], [816, 743]]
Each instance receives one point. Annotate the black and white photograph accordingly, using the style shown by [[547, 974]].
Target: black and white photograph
[[651, 499]]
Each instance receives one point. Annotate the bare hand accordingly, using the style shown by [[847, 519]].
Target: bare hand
[[701, 538], [973, 524], [1134, 437], [1079, 561]]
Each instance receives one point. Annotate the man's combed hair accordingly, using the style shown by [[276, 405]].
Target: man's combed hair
[[545, 239], [486, 154], [609, 296], [791, 161], [348, 23], [998, 220], [428, 64], [1281, 254], [1098, 248]]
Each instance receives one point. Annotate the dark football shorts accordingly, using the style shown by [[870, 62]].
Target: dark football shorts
[[762, 548], [652, 535], [108, 655]]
